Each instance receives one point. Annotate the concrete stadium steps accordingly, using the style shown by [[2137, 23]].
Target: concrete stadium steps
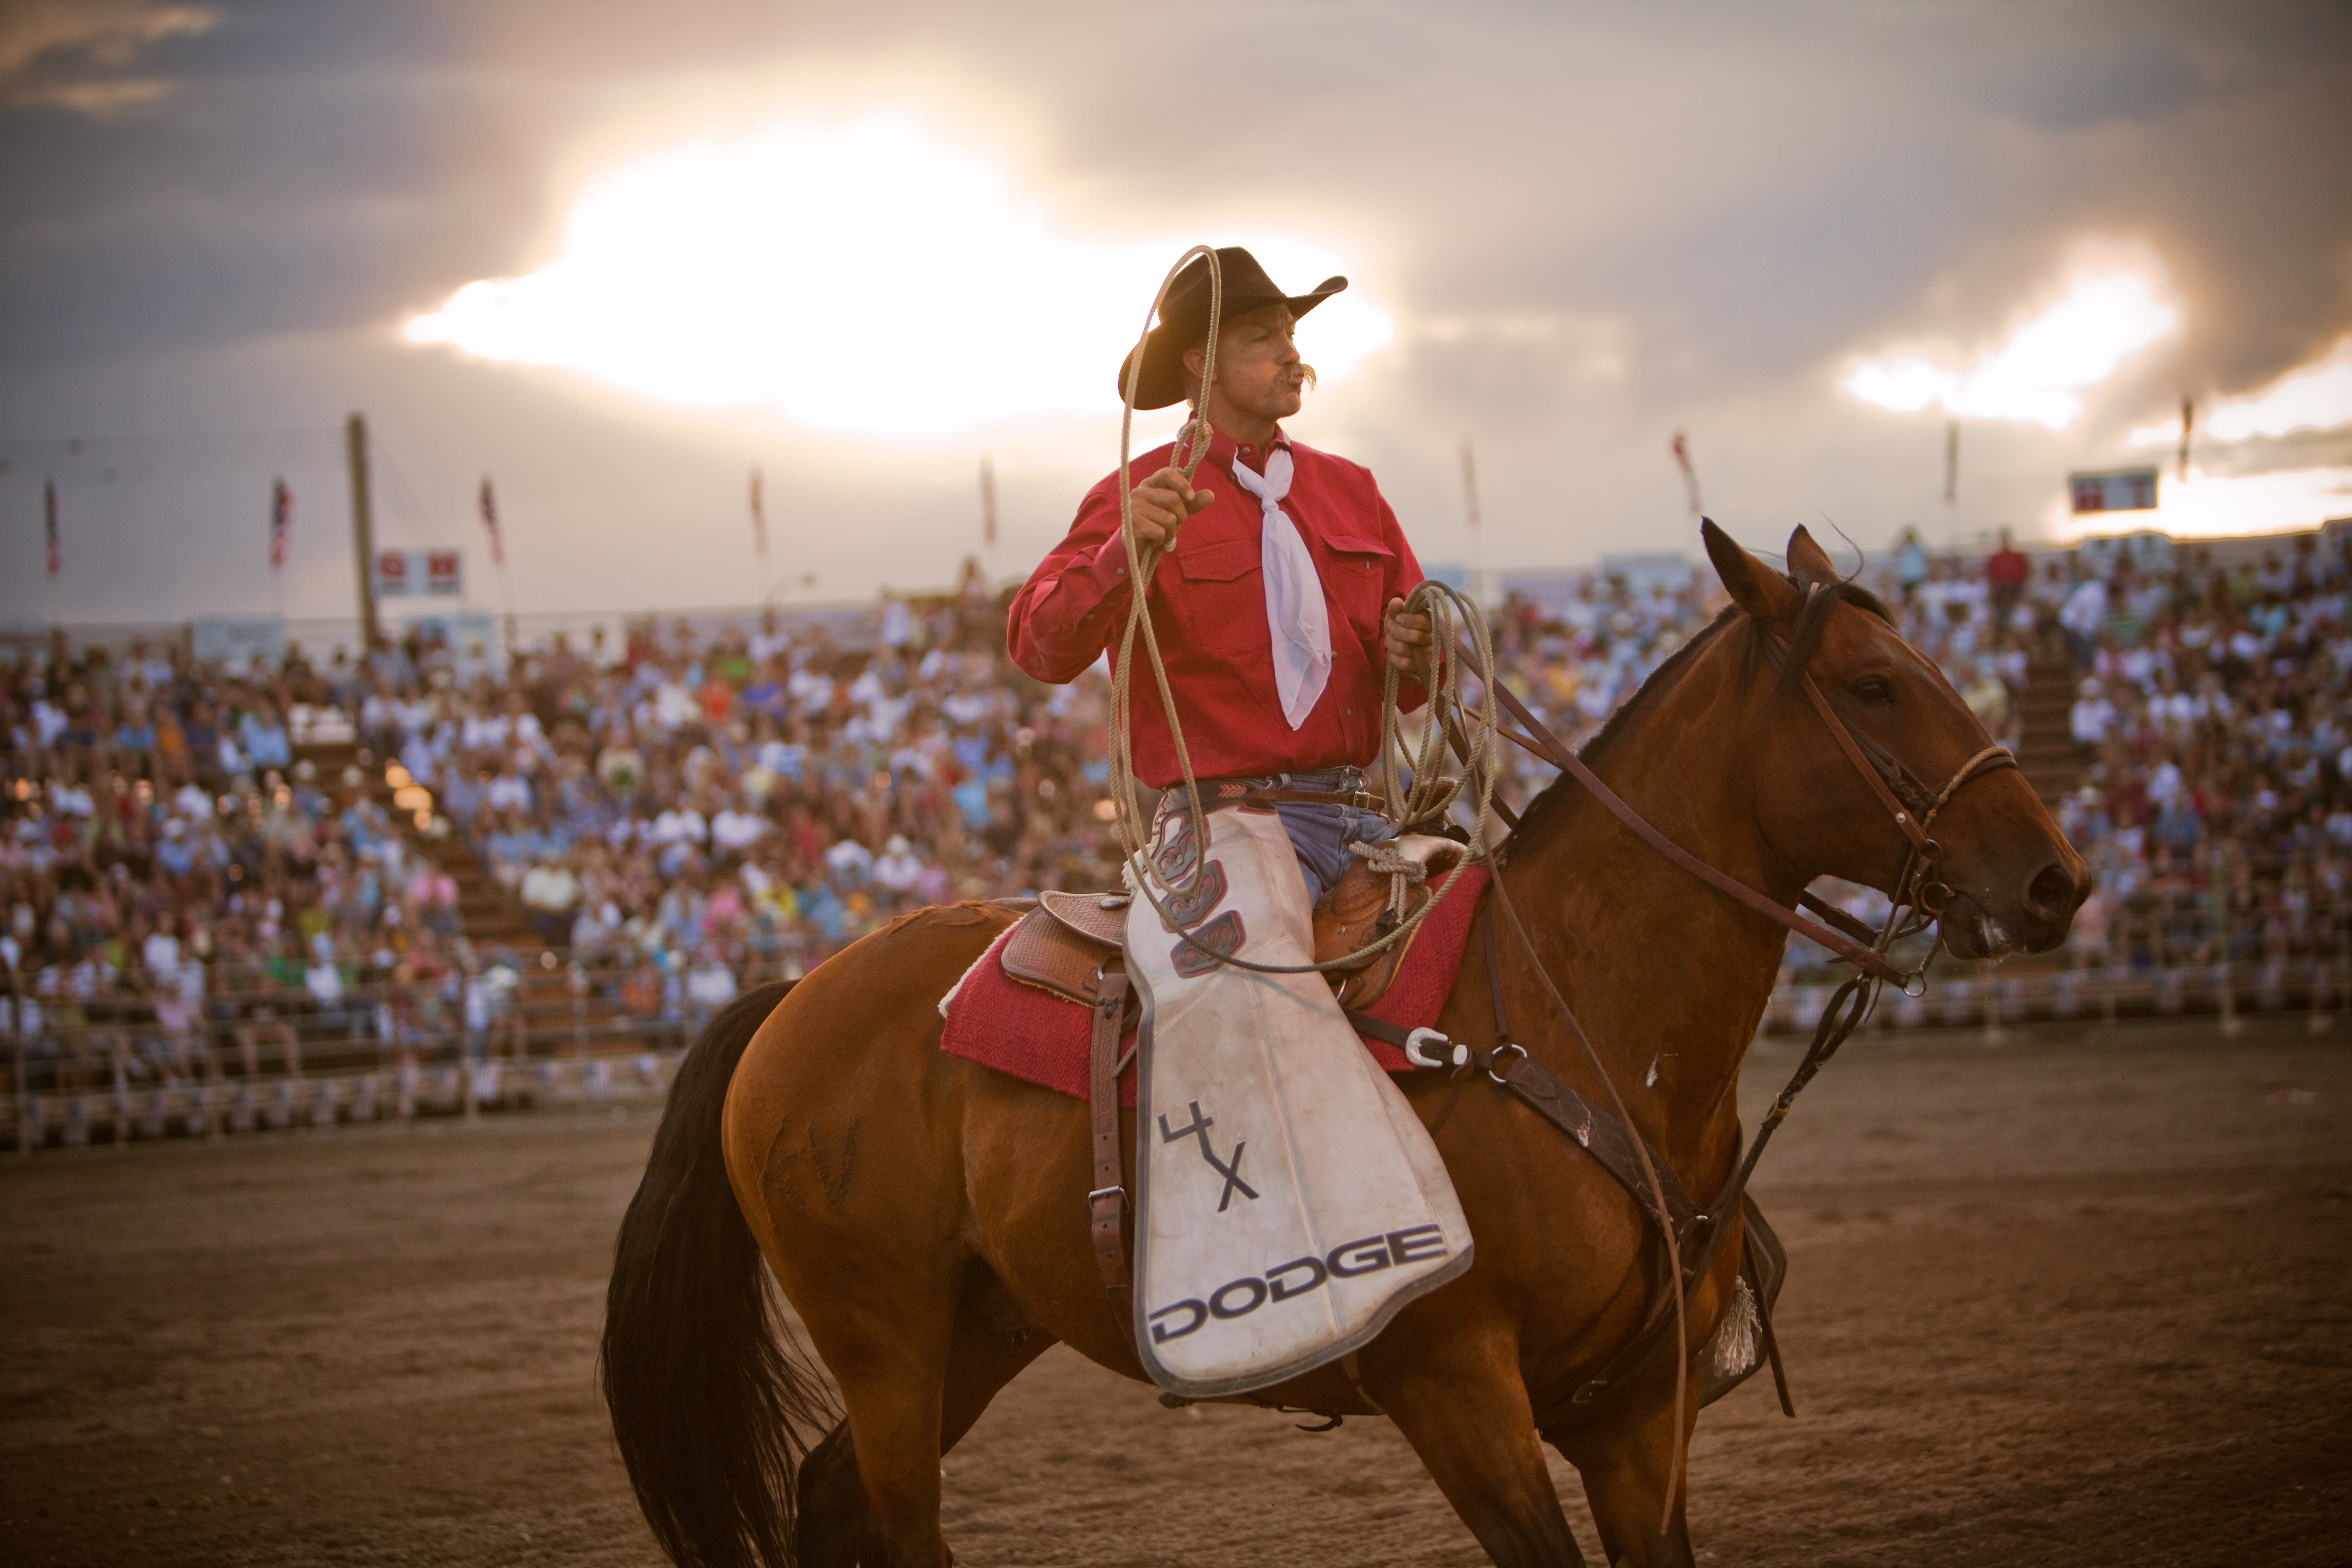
[[492, 916], [2046, 751]]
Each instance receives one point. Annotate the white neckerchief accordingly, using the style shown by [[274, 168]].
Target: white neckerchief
[[1294, 611]]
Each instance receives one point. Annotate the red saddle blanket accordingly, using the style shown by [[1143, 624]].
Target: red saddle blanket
[[1002, 1023]]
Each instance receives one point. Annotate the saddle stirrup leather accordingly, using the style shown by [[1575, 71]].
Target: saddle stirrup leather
[[1108, 1201]]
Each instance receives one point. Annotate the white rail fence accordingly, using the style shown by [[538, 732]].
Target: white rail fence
[[265, 1079]]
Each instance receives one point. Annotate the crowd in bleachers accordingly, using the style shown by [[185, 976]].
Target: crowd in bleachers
[[2211, 717], [163, 856], [2214, 716], [678, 807], [676, 810]]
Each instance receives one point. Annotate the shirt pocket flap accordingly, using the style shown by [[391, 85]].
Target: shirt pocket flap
[[1341, 545], [1222, 562]]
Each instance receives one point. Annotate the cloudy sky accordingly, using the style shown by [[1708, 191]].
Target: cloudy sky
[[615, 256]]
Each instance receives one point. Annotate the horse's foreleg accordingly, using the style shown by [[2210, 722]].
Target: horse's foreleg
[[1626, 1478], [1463, 1407]]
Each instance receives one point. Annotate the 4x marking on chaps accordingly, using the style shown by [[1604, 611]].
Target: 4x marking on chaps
[[1231, 1170], [1345, 1211]]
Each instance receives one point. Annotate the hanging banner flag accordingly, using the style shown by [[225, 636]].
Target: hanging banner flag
[[281, 520], [758, 515], [1951, 461], [1469, 484], [2188, 423], [2123, 489], [49, 517], [1690, 476], [401, 573], [987, 499], [490, 506]]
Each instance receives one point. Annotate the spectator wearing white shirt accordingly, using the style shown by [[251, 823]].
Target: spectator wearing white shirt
[[2083, 617], [508, 792], [735, 830], [680, 825], [2092, 716], [550, 891], [850, 863], [899, 869]]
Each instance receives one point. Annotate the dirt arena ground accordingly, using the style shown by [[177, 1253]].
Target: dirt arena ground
[[2064, 1299]]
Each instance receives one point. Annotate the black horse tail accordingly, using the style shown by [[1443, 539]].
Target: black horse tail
[[710, 1404]]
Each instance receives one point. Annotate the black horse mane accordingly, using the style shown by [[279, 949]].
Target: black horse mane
[[1759, 649]]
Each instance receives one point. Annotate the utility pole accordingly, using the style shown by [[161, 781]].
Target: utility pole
[[988, 498], [1479, 588], [1951, 480], [355, 453]]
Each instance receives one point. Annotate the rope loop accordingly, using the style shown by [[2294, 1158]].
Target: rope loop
[[1431, 795]]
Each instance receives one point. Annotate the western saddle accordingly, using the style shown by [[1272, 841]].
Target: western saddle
[[1070, 941]]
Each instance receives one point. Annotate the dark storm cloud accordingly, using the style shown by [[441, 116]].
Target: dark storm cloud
[[1594, 223], [307, 167], [1750, 183]]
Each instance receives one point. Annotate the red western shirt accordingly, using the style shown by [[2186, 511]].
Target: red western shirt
[[1208, 607]]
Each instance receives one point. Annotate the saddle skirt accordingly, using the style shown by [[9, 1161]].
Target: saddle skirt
[[1066, 943], [1022, 1008]]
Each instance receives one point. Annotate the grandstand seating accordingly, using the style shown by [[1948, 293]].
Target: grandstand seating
[[416, 894]]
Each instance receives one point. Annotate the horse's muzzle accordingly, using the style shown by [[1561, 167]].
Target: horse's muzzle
[[2037, 919]]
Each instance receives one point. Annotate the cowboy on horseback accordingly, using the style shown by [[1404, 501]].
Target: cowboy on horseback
[[1277, 606], [1282, 595]]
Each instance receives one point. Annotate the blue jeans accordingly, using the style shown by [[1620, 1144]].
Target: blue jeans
[[1319, 834]]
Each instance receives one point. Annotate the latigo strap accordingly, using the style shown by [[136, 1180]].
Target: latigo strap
[[1108, 1202]]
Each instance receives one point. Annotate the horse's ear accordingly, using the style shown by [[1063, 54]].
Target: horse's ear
[[1753, 586], [1809, 562]]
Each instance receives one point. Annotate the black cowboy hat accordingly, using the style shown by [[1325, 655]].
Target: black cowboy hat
[[1184, 321]]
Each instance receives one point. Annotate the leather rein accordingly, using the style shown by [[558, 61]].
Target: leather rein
[[1918, 896], [1916, 887]]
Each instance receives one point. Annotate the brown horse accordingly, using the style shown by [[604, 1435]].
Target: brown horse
[[926, 1217]]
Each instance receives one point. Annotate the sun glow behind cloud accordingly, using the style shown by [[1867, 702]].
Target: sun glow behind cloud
[[864, 276], [2318, 396], [2216, 506], [2039, 374]]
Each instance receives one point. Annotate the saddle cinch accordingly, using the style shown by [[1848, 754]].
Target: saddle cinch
[[1070, 940]]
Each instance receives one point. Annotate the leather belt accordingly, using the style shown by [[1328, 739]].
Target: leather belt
[[1215, 793]]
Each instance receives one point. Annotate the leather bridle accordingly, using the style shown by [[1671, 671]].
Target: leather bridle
[[1912, 804], [1918, 894]]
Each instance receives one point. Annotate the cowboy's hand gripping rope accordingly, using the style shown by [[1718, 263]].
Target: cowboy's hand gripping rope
[[1431, 795]]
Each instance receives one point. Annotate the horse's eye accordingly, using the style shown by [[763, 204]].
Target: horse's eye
[[1874, 688]]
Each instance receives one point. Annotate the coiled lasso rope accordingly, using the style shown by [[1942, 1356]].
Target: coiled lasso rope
[[1425, 803]]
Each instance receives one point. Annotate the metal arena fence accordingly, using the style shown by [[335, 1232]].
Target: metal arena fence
[[105, 1068], [269, 1060]]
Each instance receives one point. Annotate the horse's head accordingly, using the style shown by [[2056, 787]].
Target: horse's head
[[2009, 879]]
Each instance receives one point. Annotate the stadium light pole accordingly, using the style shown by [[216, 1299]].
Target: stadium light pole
[[355, 453]]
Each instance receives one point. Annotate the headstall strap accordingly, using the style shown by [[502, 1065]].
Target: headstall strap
[[1861, 956], [1881, 777]]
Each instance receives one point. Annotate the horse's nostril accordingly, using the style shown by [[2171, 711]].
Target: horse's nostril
[[2051, 894]]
